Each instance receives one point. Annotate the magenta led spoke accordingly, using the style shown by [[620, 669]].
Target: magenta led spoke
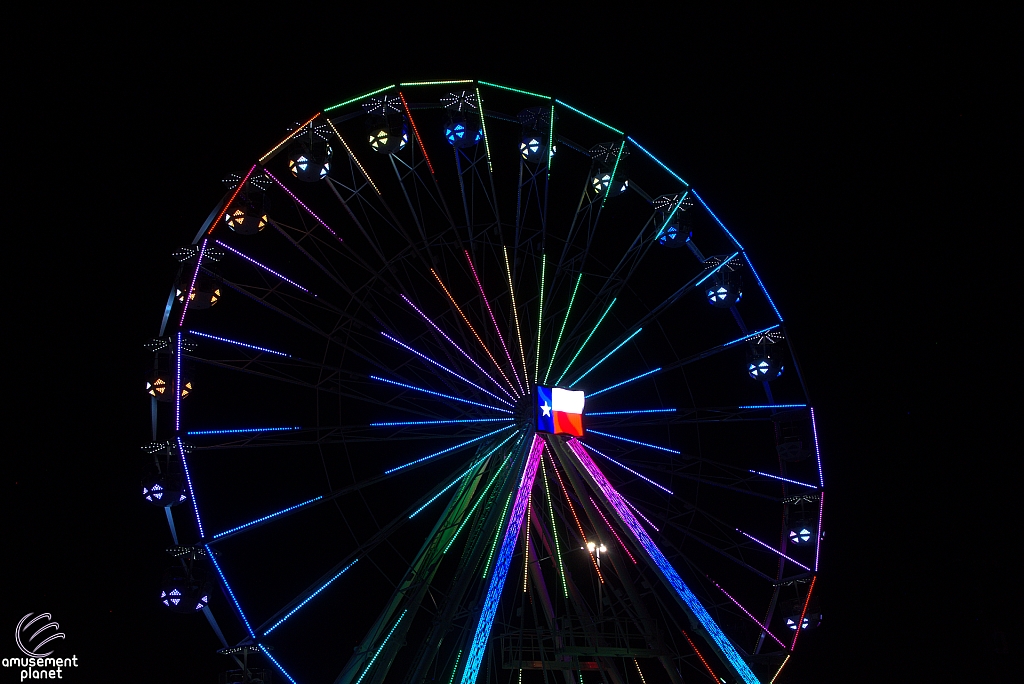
[[756, 621], [445, 369], [302, 204], [817, 545], [438, 394], [448, 450], [192, 287], [817, 452], [625, 467], [784, 479], [461, 350], [501, 338], [772, 549], [633, 441], [265, 268], [612, 530], [772, 406], [238, 344], [590, 395]]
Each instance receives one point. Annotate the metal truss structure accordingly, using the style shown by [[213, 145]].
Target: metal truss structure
[[357, 431]]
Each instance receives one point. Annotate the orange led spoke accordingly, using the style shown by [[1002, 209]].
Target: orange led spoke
[[290, 136]]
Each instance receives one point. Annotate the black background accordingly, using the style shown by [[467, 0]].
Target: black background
[[864, 159]]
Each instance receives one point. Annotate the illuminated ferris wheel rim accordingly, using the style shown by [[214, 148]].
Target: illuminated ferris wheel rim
[[521, 387]]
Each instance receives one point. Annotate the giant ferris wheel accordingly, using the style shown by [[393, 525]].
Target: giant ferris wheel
[[458, 382]]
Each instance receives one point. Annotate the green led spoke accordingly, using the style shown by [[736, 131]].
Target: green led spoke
[[457, 657], [483, 495], [540, 318], [514, 90], [585, 341], [551, 138], [554, 533], [498, 536], [357, 99], [611, 181], [559, 340], [589, 117]]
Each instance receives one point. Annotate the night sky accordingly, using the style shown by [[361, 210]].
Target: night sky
[[861, 159]]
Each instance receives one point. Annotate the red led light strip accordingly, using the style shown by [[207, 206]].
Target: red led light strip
[[573, 510], [800, 622], [473, 330], [192, 287], [416, 132], [601, 513], [694, 647], [228, 205]]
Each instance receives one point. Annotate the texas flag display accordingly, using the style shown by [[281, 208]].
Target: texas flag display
[[559, 411]]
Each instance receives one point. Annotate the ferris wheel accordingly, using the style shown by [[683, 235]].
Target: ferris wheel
[[459, 382]]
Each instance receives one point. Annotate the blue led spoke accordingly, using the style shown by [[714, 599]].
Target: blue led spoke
[[635, 333], [753, 334], [191, 492], [267, 653], [310, 597], [445, 451], [626, 413], [447, 370], [374, 658], [459, 478], [716, 219], [588, 116], [266, 517], [773, 406], [784, 479], [239, 344], [265, 268], [443, 422], [716, 268], [230, 592], [620, 384], [657, 161], [763, 288], [438, 394], [626, 467], [633, 441], [241, 430]]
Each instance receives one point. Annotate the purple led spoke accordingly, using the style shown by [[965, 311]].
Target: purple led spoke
[[441, 422], [756, 621], [480, 286], [447, 370], [188, 295], [697, 610], [637, 510], [625, 467], [620, 384], [633, 441], [763, 288], [230, 592], [239, 344], [243, 430], [716, 219], [438, 394], [449, 449], [784, 479], [817, 452], [273, 660], [626, 413], [817, 546], [191, 492], [452, 342], [508, 543], [265, 268], [177, 385], [772, 549], [302, 204]]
